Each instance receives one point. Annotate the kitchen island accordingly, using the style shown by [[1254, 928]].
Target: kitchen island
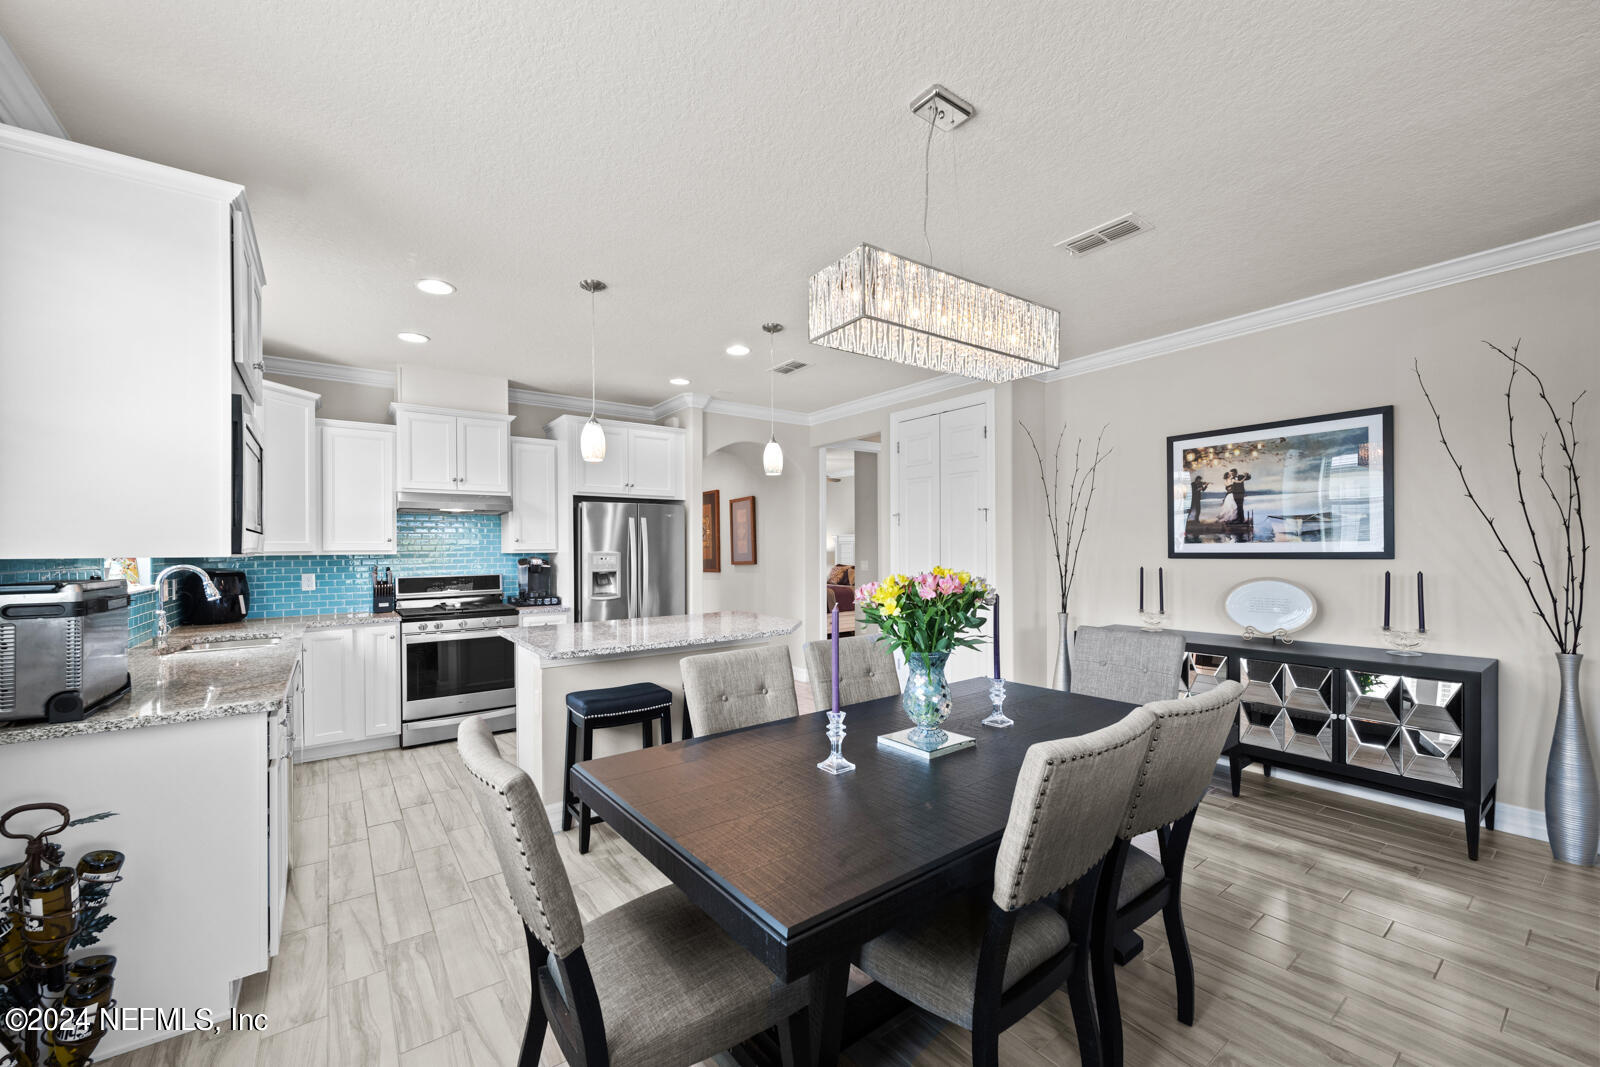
[[555, 660]]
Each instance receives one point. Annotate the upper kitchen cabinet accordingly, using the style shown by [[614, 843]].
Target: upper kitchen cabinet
[[357, 486], [641, 460], [533, 524], [444, 451], [292, 470], [119, 298]]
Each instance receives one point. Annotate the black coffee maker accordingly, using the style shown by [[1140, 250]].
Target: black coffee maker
[[536, 581]]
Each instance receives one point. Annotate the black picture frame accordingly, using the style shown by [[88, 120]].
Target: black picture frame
[[1295, 527]]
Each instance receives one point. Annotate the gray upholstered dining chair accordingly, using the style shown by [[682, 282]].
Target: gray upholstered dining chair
[[653, 982], [744, 687], [1126, 663], [866, 671], [1185, 742], [985, 964]]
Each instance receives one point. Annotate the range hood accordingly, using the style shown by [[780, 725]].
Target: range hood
[[455, 503]]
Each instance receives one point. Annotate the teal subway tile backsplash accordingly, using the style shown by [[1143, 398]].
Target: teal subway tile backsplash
[[428, 543]]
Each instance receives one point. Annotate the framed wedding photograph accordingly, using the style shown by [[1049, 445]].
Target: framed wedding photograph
[[1310, 488], [711, 531], [742, 530]]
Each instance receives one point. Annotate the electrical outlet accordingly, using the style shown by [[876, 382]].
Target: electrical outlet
[[308, 582]]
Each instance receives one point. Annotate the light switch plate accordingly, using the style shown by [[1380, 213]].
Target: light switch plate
[[308, 582]]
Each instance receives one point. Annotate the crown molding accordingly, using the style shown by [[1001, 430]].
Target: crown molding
[[1569, 242], [580, 405], [862, 405], [329, 372], [681, 402], [21, 102], [740, 410]]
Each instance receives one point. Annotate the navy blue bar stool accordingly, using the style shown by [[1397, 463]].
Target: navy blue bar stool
[[589, 710]]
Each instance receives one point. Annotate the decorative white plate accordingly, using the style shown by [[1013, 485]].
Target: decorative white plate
[[1268, 605]]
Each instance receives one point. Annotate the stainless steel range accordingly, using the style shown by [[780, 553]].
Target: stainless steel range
[[456, 665]]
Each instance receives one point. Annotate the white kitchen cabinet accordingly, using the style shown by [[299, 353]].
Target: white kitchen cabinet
[[351, 700], [444, 451], [248, 360], [357, 486], [534, 522], [117, 291], [655, 461], [333, 708], [641, 460], [292, 470], [427, 451], [378, 650]]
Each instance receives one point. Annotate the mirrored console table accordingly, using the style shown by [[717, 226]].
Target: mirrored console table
[[1423, 726]]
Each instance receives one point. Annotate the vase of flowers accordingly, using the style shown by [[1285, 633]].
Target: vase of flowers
[[925, 617]]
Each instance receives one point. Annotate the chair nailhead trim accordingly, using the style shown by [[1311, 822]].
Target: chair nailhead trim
[[628, 711]]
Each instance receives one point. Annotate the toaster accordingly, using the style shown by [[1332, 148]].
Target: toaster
[[63, 648]]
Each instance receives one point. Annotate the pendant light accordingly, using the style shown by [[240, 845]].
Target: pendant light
[[592, 442], [772, 455]]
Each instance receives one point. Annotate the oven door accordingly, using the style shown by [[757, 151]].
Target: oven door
[[451, 673]]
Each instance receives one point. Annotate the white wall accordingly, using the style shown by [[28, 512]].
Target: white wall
[[1355, 359]]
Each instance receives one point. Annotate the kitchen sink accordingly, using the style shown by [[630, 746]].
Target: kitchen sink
[[239, 644]]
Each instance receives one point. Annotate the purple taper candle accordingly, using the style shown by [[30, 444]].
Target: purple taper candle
[[1141, 588], [994, 617], [836, 657], [1385, 600], [1161, 590], [1422, 618]]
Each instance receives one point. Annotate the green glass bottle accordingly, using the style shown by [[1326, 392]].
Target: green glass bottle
[[73, 1043]]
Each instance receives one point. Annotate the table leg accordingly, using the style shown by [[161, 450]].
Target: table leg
[[829, 983]]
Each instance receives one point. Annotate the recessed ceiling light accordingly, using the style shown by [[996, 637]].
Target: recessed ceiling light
[[413, 338], [738, 350], [436, 287], [677, 381]]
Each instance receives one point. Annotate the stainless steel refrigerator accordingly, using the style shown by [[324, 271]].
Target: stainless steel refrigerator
[[632, 560]]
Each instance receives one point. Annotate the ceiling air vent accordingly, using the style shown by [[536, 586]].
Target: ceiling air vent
[[789, 367], [1103, 234]]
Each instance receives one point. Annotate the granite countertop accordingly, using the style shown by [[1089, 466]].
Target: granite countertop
[[209, 685], [542, 609], [632, 637]]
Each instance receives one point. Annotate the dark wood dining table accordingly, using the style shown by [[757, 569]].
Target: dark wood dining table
[[802, 867]]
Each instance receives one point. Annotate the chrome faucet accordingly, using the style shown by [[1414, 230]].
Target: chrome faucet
[[163, 627]]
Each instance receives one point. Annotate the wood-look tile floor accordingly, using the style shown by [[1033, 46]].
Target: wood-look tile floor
[[1325, 930]]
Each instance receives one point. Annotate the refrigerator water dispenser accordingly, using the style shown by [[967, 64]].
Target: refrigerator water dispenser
[[604, 570]]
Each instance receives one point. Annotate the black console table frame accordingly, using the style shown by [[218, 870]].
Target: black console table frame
[[1478, 708]]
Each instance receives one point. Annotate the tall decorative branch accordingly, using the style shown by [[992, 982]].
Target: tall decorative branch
[[1068, 515], [1570, 554]]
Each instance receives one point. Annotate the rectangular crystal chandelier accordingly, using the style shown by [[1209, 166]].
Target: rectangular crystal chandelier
[[875, 303]]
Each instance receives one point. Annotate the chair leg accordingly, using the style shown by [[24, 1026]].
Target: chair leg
[[567, 799], [648, 729], [533, 1034], [666, 729], [585, 817], [794, 1039], [986, 1047], [1093, 1048], [1182, 962]]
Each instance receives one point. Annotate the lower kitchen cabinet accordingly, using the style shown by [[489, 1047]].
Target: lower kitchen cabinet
[[352, 691]]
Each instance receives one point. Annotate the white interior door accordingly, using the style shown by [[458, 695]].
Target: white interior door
[[964, 510], [917, 511]]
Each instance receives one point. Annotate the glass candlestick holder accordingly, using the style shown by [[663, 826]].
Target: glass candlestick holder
[[836, 763], [1152, 621], [1403, 642], [997, 696]]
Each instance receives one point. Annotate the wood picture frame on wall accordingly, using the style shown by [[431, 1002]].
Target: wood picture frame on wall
[[742, 530], [711, 531]]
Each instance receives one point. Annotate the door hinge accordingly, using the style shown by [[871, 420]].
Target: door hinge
[[897, 448], [985, 431]]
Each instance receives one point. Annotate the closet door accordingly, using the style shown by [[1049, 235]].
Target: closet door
[[964, 513], [917, 512]]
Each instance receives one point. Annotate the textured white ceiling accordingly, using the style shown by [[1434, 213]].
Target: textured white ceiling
[[705, 158]]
